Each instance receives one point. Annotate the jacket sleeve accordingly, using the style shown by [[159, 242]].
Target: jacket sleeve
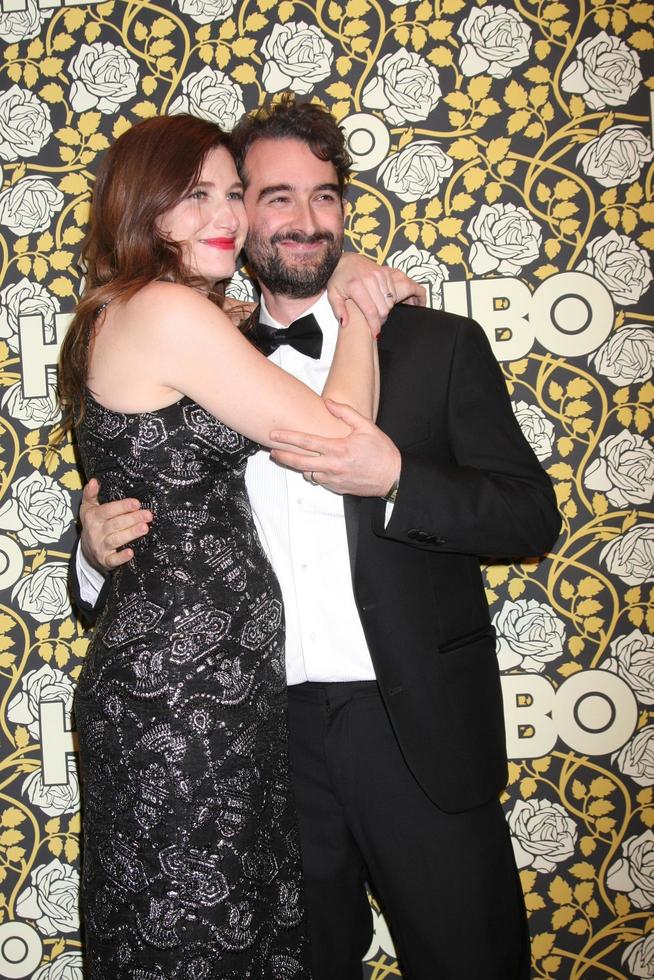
[[88, 610], [488, 495]]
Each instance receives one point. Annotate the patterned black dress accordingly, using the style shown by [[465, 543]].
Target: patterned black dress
[[191, 865]]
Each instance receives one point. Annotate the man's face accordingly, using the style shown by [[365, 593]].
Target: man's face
[[295, 215]]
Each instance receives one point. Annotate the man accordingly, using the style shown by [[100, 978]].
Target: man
[[395, 715]]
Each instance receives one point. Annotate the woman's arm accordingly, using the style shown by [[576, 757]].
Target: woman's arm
[[374, 288], [354, 374], [179, 343]]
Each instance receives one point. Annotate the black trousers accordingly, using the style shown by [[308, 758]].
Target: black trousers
[[447, 883]]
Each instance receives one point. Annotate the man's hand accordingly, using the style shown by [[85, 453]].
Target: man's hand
[[375, 289], [365, 463], [108, 527]]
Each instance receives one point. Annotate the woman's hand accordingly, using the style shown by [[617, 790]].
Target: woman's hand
[[375, 289], [237, 310]]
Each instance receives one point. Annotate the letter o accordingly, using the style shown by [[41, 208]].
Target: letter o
[[595, 712], [11, 562], [21, 950], [572, 313]]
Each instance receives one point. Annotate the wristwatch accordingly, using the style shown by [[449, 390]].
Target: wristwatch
[[391, 494]]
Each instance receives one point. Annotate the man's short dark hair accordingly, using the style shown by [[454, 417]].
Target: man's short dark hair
[[304, 121]]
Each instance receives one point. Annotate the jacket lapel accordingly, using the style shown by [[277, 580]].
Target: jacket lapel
[[351, 507]]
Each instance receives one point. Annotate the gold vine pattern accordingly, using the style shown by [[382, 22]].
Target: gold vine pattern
[[491, 140]]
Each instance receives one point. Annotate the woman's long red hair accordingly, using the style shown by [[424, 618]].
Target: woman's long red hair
[[144, 174]]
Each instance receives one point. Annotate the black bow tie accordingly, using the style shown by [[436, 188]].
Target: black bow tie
[[304, 335]]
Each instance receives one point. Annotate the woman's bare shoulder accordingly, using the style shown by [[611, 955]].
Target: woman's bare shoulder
[[162, 295], [162, 304]]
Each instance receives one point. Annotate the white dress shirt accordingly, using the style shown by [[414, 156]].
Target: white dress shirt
[[302, 530]]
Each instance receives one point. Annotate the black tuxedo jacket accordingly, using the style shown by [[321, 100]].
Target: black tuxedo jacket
[[470, 488]]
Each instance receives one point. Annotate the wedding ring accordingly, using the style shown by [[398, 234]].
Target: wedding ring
[[312, 478]]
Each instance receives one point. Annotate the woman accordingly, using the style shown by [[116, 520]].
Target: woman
[[191, 864]]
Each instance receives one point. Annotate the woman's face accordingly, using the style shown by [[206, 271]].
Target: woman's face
[[210, 219]]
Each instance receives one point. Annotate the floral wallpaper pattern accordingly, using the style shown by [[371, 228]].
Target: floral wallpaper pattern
[[501, 149]]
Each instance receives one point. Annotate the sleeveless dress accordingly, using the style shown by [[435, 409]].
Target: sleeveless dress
[[191, 867]]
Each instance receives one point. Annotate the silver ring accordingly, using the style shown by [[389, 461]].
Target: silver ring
[[312, 478]]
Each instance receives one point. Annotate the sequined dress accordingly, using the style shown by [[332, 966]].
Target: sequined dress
[[191, 866]]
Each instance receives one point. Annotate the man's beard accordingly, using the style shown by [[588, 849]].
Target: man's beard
[[302, 280]]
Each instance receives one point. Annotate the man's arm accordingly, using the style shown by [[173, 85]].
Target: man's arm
[[490, 497], [366, 463], [88, 587], [107, 530], [493, 499]]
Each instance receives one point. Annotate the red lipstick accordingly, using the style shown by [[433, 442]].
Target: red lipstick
[[224, 243]]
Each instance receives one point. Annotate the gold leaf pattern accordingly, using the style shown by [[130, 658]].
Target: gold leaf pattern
[[531, 181]]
